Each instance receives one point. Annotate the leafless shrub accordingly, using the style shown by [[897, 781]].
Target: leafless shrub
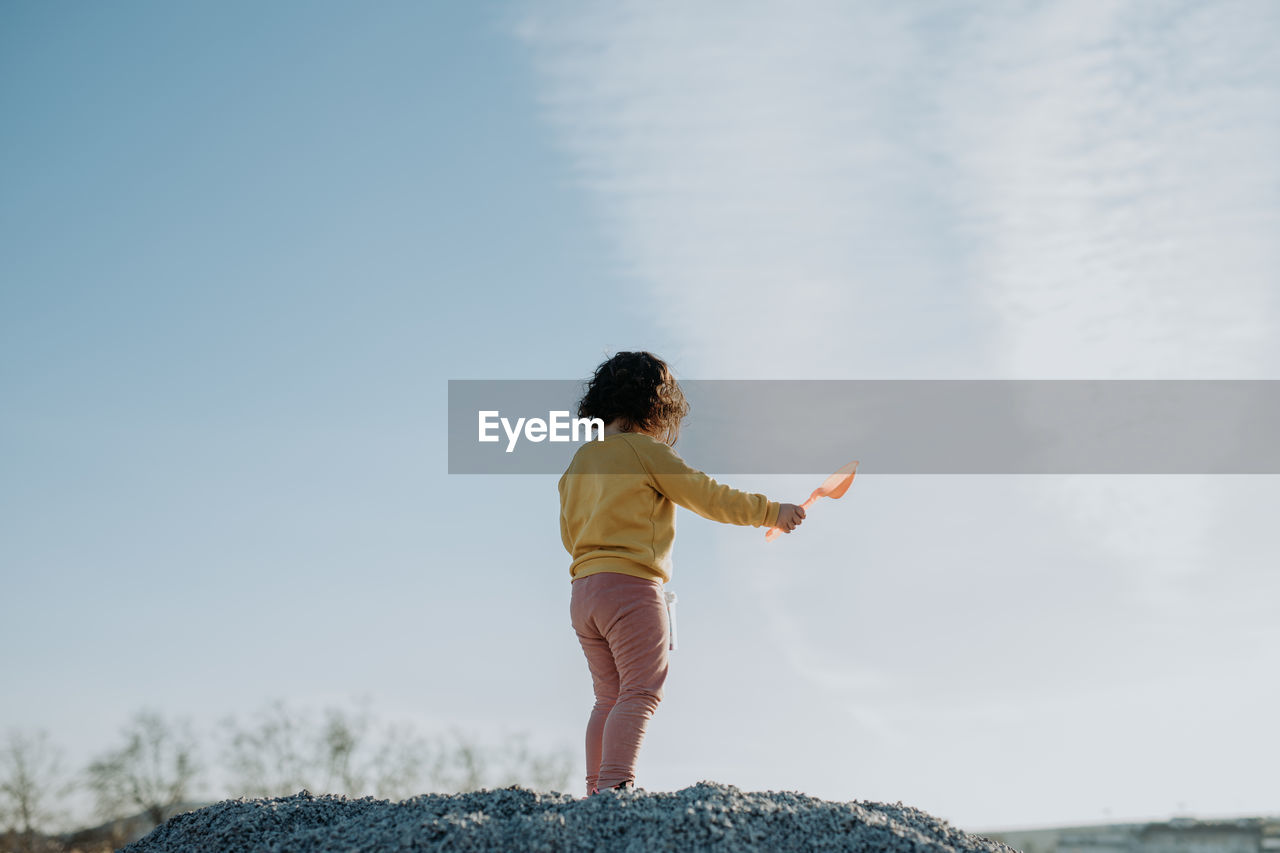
[[278, 752], [152, 772], [270, 757], [31, 780], [543, 771], [284, 751]]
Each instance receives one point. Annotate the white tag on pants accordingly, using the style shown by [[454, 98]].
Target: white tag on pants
[[671, 618]]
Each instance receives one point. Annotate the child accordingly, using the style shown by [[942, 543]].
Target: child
[[617, 520]]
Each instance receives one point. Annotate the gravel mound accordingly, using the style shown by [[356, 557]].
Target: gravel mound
[[706, 816]]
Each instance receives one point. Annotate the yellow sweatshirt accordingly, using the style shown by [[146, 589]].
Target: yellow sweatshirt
[[618, 505]]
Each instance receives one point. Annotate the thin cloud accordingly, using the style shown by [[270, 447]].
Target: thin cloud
[[1051, 190], [1115, 175], [739, 158]]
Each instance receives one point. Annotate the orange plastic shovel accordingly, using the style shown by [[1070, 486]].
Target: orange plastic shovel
[[833, 487]]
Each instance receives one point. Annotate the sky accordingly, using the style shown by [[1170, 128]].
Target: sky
[[245, 247]]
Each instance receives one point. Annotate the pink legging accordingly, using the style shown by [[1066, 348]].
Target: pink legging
[[622, 624]]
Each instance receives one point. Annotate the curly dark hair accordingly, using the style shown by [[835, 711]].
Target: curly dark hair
[[638, 390]]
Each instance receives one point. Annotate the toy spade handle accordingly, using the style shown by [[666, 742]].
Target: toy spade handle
[[834, 487], [775, 532]]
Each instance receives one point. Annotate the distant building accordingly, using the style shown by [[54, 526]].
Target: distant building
[[114, 834], [1180, 835]]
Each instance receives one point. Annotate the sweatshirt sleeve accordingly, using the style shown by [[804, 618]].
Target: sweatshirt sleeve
[[694, 490]]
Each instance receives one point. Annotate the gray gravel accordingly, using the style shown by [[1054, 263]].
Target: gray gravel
[[706, 816]]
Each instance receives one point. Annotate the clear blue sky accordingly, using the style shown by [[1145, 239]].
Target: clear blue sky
[[244, 247]]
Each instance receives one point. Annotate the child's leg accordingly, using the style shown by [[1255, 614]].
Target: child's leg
[[622, 624], [639, 640], [604, 680], [604, 675]]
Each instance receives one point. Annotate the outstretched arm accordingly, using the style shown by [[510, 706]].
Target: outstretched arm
[[694, 490]]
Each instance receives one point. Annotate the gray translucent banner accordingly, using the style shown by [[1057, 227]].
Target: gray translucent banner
[[901, 427]]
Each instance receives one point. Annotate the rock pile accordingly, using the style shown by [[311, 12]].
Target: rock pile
[[707, 816]]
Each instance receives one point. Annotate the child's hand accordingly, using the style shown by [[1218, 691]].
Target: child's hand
[[789, 517]]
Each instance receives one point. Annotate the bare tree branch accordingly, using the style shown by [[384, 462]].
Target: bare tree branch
[[30, 780], [271, 757], [152, 772]]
